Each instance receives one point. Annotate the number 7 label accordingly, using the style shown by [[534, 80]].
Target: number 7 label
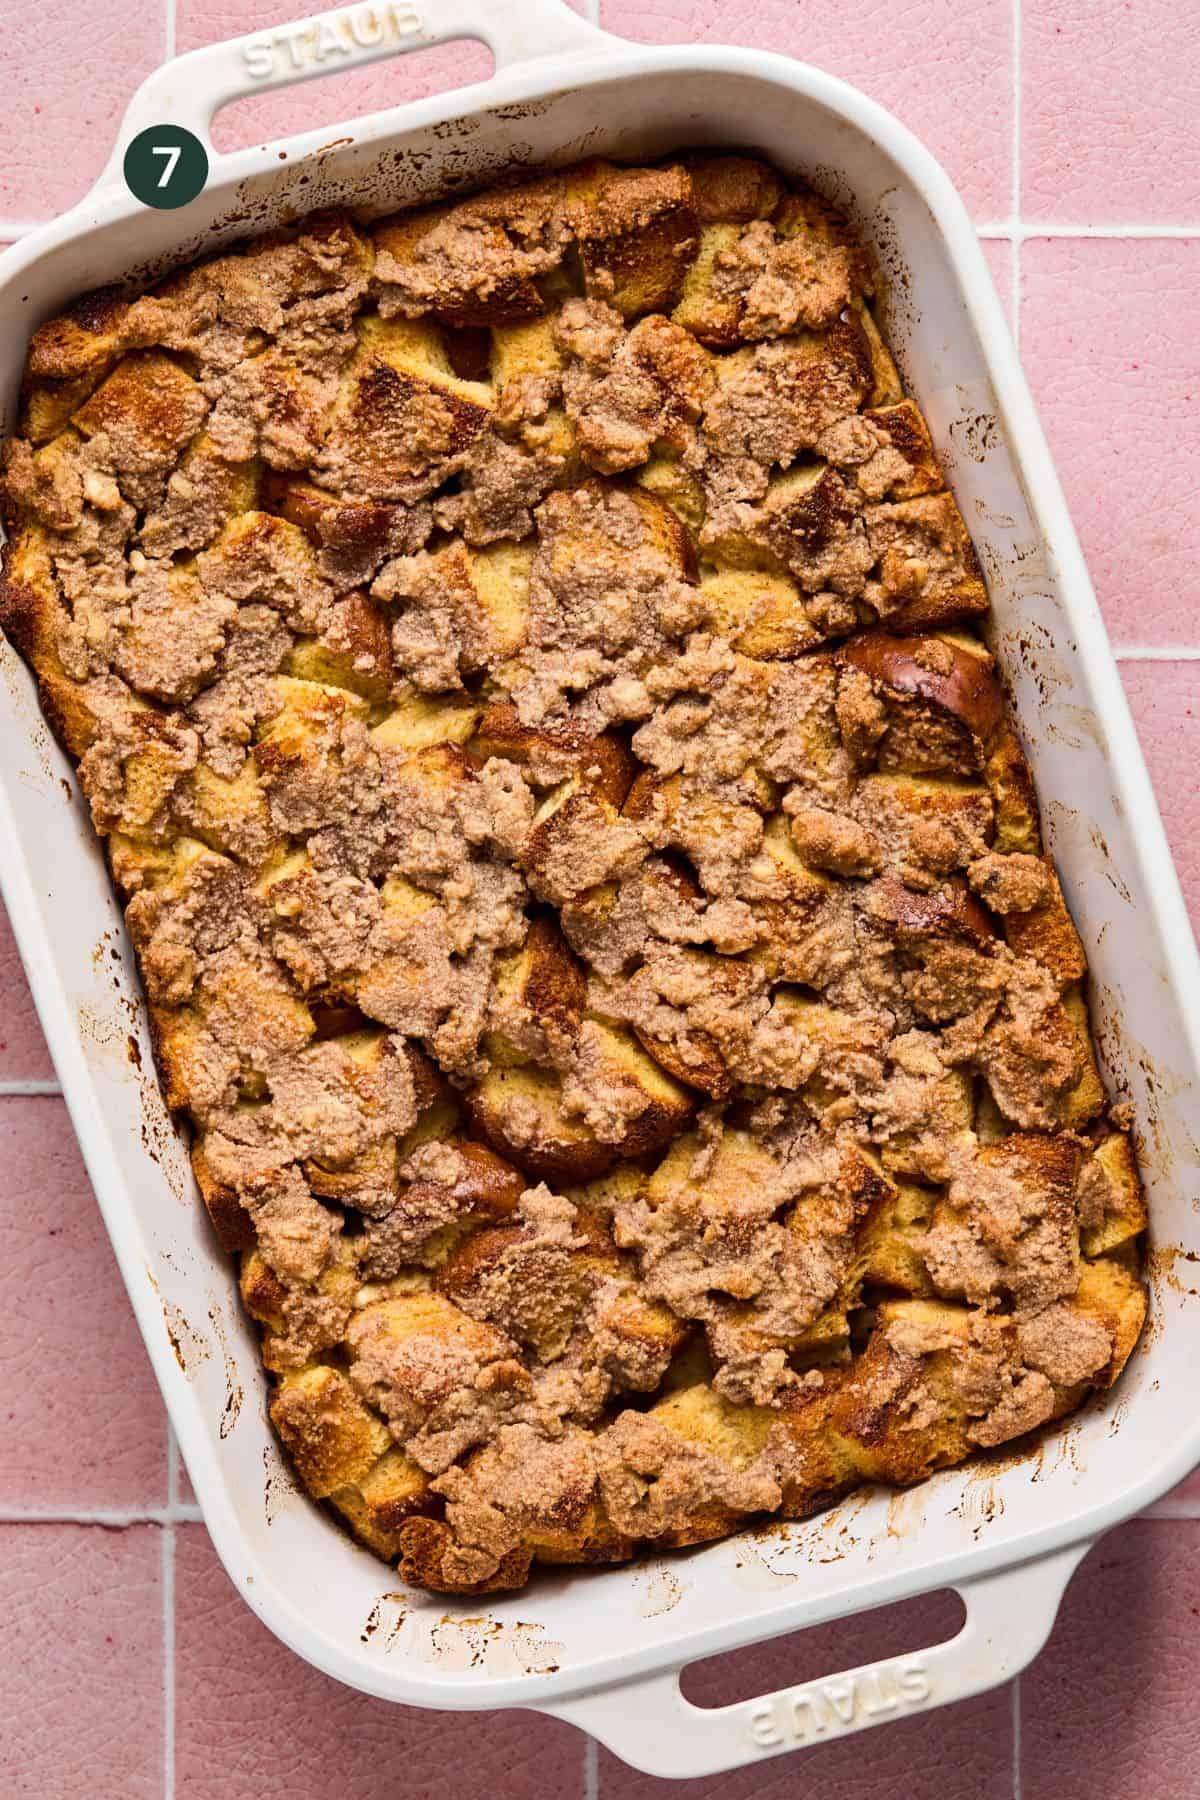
[[165, 166], [172, 152]]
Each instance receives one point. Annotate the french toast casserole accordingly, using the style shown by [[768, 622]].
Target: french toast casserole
[[520, 657]]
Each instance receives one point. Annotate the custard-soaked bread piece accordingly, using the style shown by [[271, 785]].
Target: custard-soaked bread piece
[[476, 261], [403, 421], [588, 887], [636, 233]]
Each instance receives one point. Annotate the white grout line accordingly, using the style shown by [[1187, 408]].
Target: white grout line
[[591, 1769], [110, 1518], [1156, 653], [1015, 271], [168, 1600], [591, 10], [1020, 230], [15, 1089], [1016, 1736], [168, 30]]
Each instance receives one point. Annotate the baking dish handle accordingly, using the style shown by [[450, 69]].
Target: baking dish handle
[[648, 1722], [190, 89]]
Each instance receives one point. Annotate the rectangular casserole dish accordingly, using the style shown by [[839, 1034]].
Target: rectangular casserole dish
[[605, 1647]]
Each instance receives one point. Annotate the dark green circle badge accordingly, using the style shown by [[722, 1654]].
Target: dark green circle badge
[[166, 166]]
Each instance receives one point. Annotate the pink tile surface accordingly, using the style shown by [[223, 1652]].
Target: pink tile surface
[[64, 84], [1107, 335], [1109, 1710], [23, 1053], [1112, 356], [81, 1674], [936, 66], [83, 1425], [1164, 698], [1108, 97], [253, 1719]]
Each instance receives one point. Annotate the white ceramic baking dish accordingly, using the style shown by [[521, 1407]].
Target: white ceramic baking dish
[[604, 1648]]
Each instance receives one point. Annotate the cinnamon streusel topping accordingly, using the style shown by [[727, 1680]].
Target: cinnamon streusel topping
[[590, 897]]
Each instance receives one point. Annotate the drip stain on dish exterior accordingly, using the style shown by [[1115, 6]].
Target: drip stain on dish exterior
[[375, 1619], [189, 1346], [278, 1484], [233, 1387], [659, 1590], [1160, 1267], [977, 435], [495, 1647]]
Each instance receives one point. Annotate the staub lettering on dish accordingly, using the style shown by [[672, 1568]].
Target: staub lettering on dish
[[847, 1703], [334, 37]]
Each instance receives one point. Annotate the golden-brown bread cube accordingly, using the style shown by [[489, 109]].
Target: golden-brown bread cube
[[230, 1220], [943, 702], [324, 1304], [1047, 933], [578, 837], [1113, 1295], [685, 1050], [906, 432], [425, 721], [1112, 1203], [332, 1438], [732, 1435], [1085, 1101], [665, 476], [731, 188], [68, 356], [950, 1109], [149, 408], [403, 420], [537, 1000], [555, 753], [533, 1290], [894, 1240], [379, 1502], [886, 388], [32, 615], [794, 905], [433, 1210], [926, 825], [301, 749], [929, 574], [636, 231], [490, 589], [356, 654], [1035, 1173], [354, 534], [204, 494], [731, 194], [803, 212], [760, 612], [473, 262], [191, 1076], [819, 1468], [876, 1418], [714, 318], [802, 526], [519, 1111], [425, 1561], [1007, 773]]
